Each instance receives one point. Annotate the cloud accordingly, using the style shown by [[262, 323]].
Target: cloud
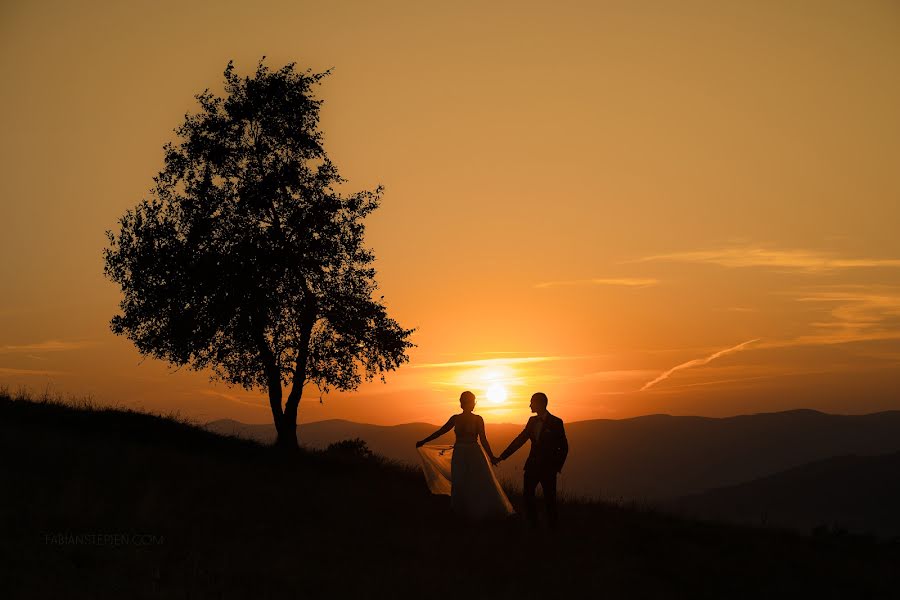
[[852, 314], [48, 346], [810, 261], [493, 362], [617, 375], [697, 362], [836, 338], [29, 372], [232, 398], [620, 281]]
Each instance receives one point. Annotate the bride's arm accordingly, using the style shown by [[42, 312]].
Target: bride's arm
[[447, 427], [483, 437]]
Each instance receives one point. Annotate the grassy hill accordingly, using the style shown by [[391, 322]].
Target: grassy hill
[[111, 503]]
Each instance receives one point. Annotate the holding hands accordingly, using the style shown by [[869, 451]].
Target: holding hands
[[495, 461]]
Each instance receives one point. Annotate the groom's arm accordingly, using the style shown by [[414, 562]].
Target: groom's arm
[[515, 444], [563, 447]]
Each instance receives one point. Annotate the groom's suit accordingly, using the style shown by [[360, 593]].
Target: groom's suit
[[549, 448]]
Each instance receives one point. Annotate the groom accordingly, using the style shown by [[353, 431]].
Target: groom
[[549, 448]]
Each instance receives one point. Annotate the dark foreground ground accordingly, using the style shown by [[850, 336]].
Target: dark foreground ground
[[108, 503]]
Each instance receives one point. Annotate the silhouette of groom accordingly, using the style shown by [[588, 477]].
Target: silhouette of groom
[[549, 448]]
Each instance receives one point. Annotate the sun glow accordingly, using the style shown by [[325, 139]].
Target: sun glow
[[496, 393], [494, 382]]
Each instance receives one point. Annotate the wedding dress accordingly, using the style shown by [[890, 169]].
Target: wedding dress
[[463, 472]]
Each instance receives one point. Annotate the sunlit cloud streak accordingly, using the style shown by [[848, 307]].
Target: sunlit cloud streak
[[856, 314], [29, 372], [48, 346], [697, 362], [617, 375], [829, 339], [746, 379], [232, 398], [809, 261], [496, 362], [622, 281]]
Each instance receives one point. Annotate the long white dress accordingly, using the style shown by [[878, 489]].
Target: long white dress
[[463, 472]]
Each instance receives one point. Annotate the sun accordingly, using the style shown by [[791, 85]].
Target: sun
[[496, 393]]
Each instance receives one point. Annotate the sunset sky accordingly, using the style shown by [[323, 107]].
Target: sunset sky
[[636, 207]]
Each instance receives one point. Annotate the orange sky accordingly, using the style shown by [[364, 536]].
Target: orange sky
[[580, 197]]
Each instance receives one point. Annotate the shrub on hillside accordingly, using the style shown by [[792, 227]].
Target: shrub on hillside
[[355, 449]]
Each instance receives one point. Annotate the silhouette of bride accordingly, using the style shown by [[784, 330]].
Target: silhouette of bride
[[463, 471]]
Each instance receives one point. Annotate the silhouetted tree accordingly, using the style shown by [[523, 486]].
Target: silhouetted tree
[[247, 260]]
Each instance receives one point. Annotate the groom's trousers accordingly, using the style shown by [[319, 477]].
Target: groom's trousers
[[547, 479]]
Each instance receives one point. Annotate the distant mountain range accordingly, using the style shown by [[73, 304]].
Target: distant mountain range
[[653, 458], [854, 493]]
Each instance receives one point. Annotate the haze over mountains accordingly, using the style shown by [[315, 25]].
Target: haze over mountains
[[656, 458], [856, 493]]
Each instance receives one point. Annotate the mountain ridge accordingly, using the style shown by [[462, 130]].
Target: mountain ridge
[[650, 458], [635, 418], [851, 492]]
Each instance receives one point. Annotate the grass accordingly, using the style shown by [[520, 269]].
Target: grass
[[108, 502]]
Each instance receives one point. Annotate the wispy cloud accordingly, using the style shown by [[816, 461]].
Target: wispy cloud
[[617, 375], [48, 346], [746, 379], [848, 314], [810, 261], [30, 372], [697, 362], [616, 281], [232, 398], [494, 362]]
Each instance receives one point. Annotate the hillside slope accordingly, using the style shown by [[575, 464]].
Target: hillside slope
[[105, 503]]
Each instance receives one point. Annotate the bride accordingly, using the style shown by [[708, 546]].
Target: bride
[[463, 470]]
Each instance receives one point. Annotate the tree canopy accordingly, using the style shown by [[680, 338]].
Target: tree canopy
[[247, 259]]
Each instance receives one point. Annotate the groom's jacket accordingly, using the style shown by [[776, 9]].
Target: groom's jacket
[[549, 446]]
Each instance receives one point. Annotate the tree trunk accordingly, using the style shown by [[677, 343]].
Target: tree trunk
[[285, 426], [287, 435], [287, 432], [285, 420]]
